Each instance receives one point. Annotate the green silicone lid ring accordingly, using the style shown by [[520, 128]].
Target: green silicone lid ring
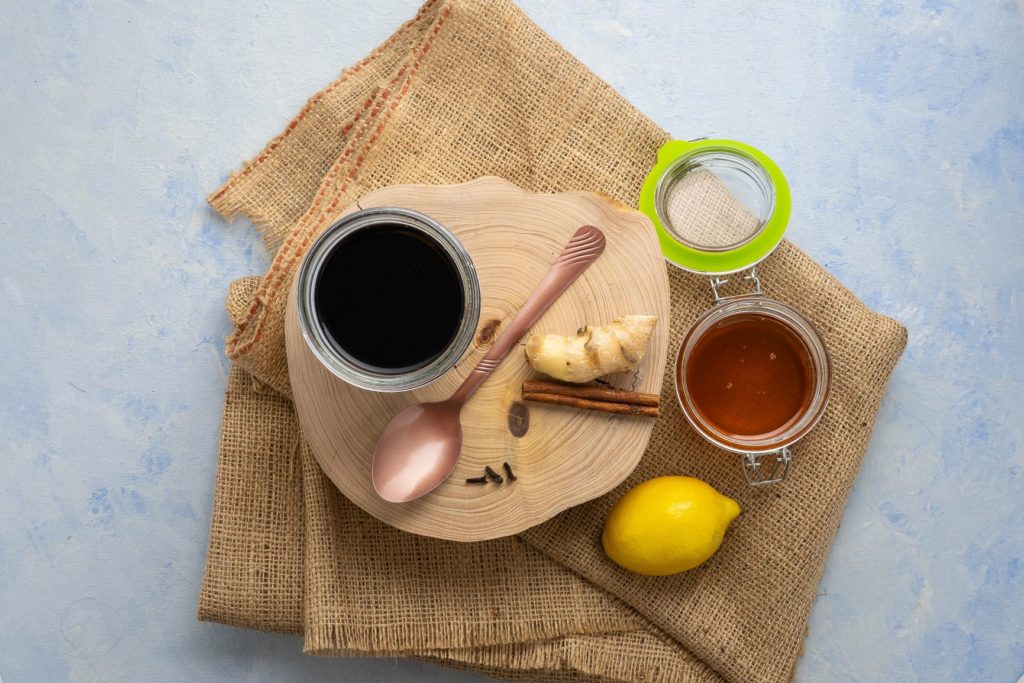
[[719, 206]]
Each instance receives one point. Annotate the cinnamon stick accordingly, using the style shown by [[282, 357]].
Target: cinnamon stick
[[532, 386], [588, 404]]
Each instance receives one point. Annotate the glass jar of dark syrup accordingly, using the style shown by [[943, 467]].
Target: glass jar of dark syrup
[[387, 299], [752, 374]]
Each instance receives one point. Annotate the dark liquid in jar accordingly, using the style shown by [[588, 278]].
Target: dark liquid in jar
[[750, 376], [390, 298]]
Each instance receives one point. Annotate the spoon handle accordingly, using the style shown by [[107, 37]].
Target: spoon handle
[[582, 250]]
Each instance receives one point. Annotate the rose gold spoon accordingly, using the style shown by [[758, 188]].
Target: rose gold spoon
[[420, 446]]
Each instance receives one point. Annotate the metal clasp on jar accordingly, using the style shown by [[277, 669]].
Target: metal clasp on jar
[[718, 281], [770, 467]]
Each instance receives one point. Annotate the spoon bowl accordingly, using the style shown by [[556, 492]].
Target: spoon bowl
[[423, 443]]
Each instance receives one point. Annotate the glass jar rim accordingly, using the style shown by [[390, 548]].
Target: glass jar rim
[[712, 160], [793, 320], [320, 341], [675, 154]]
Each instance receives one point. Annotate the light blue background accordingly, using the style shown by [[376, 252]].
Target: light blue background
[[899, 124]]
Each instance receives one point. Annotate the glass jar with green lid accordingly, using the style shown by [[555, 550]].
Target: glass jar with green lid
[[752, 374]]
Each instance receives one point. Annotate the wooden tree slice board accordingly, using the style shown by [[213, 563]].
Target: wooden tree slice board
[[566, 456]]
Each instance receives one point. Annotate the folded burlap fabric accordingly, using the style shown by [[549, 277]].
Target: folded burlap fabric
[[471, 88]]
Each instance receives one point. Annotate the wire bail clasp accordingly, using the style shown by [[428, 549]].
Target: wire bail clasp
[[767, 468], [717, 282]]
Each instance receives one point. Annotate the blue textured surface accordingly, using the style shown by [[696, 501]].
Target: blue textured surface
[[900, 126]]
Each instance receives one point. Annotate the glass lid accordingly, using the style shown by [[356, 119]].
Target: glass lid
[[719, 206]]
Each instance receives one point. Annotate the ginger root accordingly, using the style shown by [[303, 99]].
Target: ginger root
[[594, 351]]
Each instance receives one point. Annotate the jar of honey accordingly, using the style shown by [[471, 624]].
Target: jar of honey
[[752, 374]]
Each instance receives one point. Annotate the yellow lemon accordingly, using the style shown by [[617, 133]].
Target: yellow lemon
[[667, 525]]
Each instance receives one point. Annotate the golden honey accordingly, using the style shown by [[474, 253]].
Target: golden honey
[[749, 377]]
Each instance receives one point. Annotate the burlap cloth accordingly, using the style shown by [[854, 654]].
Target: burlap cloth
[[470, 88]]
